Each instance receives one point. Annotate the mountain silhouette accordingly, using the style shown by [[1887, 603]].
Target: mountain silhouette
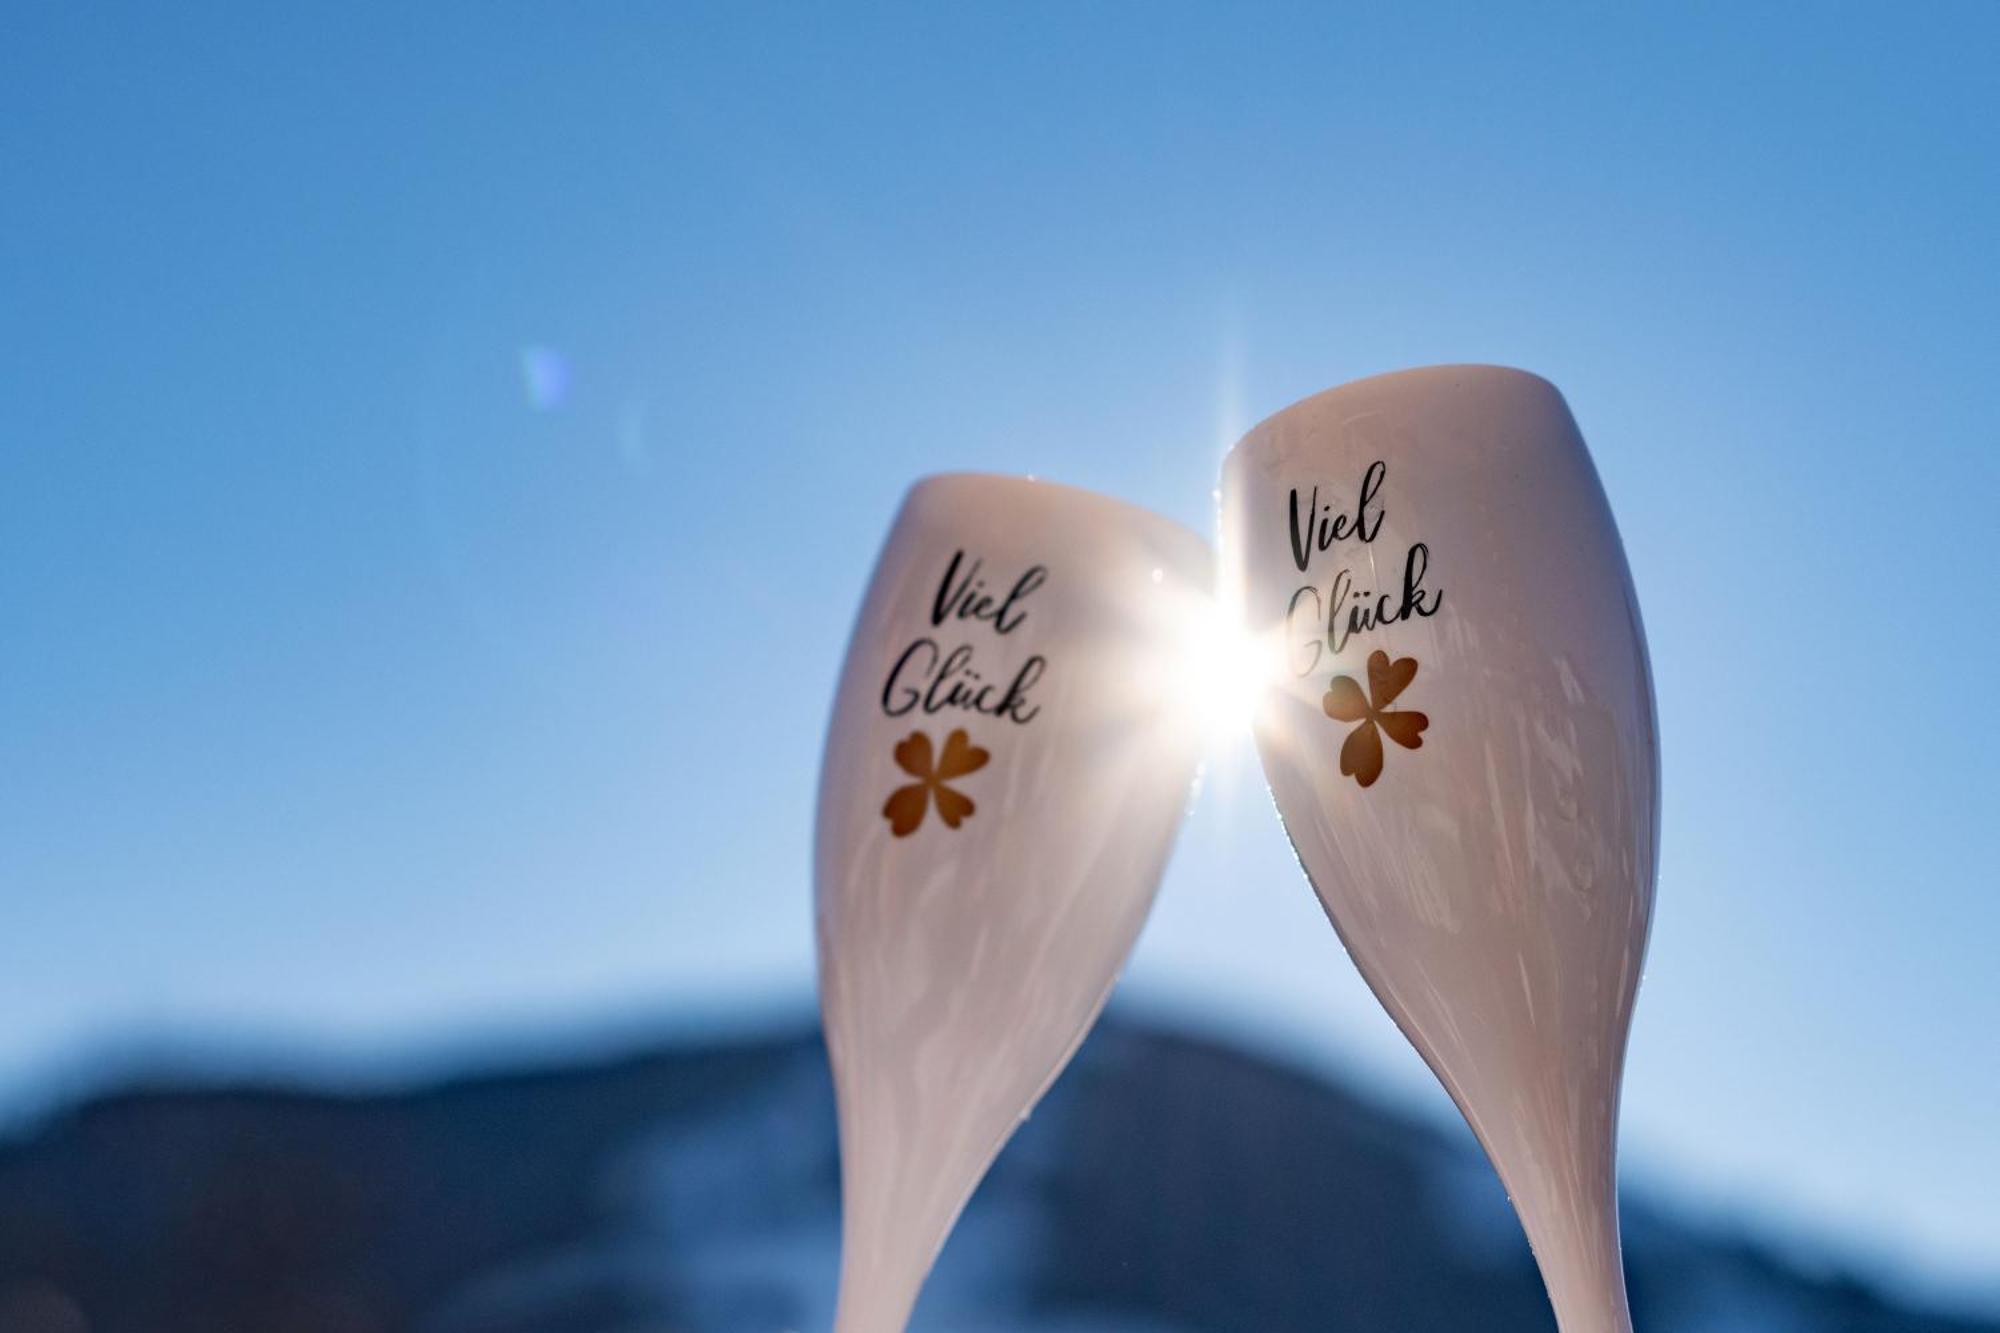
[[1168, 1184]]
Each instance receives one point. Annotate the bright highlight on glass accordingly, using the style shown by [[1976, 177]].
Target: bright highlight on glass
[[1220, 672]]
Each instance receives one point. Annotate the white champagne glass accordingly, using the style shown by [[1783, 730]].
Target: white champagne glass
[[1008, 762], [1461, 742]]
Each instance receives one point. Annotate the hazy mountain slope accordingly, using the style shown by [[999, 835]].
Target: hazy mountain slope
[[1168, 1185]]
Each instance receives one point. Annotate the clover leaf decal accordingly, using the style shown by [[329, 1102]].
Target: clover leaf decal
[[1361, 755], [906, 806]]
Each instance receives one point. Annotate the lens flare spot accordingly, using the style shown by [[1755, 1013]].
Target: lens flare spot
[[545, 377]]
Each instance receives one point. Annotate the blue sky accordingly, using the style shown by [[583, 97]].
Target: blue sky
[[441, 453]]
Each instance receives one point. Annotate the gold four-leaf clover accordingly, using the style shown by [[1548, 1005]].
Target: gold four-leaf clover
[[1361, 755], [906, 805]]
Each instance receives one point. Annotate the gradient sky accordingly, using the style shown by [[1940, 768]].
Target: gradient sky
[[441, 454]]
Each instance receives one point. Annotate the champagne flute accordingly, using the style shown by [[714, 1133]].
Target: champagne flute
[[1461, 742], [1007, 765]]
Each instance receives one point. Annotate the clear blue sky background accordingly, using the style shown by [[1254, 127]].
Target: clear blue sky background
[[441, 453]]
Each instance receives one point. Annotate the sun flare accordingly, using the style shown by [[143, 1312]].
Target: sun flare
[[1222, 673]]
